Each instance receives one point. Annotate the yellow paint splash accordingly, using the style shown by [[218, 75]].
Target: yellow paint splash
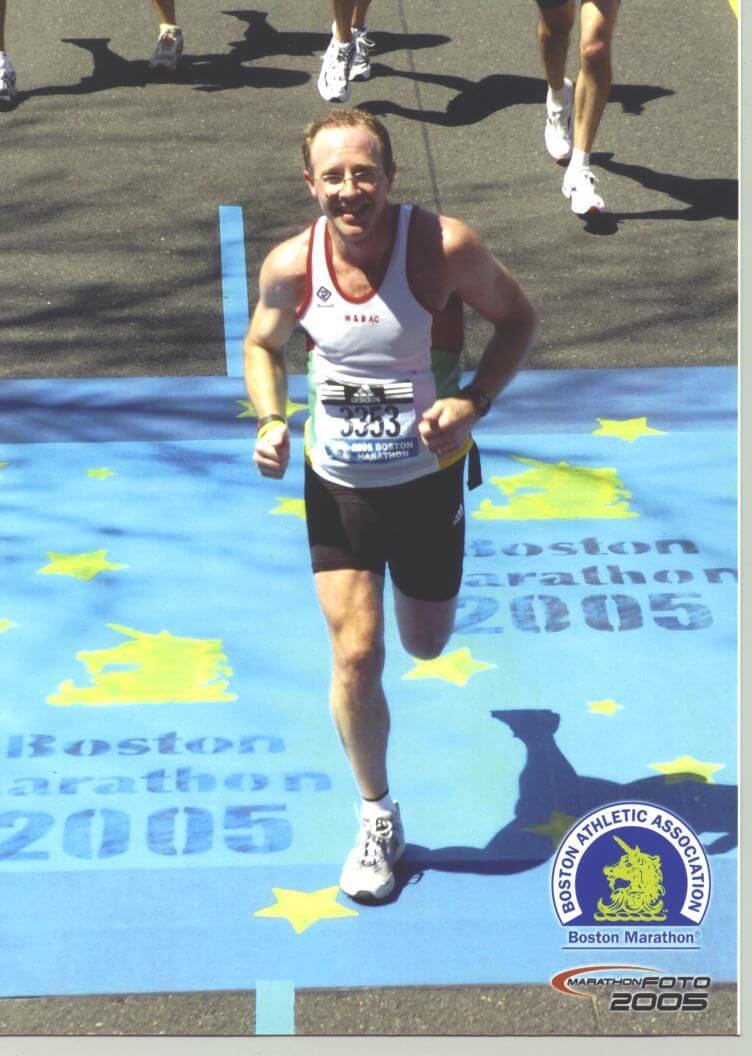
[[559, 491], [150, 669]]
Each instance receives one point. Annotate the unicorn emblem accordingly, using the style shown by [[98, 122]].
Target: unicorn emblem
[[635, 882]]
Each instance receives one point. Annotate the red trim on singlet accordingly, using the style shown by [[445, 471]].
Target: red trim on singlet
[[333, 275], [308, 292]]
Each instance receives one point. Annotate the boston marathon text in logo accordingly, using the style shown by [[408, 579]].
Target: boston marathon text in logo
[[631, 863]]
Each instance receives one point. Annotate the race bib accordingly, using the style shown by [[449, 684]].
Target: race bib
[[368, 422]]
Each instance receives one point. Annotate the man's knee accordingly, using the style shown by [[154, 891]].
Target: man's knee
[[424, 643], [358, 666], [595, 55]]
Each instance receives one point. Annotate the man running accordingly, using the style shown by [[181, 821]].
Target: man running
[[378, 290], [346, 58], [587, 99]]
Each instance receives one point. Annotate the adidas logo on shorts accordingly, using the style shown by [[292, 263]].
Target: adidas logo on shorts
[[458, 515]]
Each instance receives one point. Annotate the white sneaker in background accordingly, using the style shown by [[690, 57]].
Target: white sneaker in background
[[334, 83], [168, 50], [8, 87], [360, 69], [579, 187], [558, 133]]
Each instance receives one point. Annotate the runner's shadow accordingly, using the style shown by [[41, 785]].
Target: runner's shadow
[[552, 796], [476, 100], [709, 199], [204, 72], [213, 72], [705, 199], [262, 40]]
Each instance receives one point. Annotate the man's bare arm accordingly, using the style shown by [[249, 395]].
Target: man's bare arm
[[281, 283], [488, 287]]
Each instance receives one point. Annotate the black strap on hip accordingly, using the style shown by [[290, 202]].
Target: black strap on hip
[[474, 475]]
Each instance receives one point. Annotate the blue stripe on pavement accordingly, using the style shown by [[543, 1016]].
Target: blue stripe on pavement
[[234, 285], [275, 1006]]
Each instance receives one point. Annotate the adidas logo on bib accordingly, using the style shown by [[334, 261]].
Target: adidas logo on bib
[[364, 394]]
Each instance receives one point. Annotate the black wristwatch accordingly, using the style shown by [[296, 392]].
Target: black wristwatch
[[478, 398]]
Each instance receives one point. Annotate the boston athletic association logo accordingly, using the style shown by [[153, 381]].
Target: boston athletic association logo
[[637, 868]]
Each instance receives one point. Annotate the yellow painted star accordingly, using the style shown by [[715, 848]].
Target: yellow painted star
[[457, 667], [304, 908], [6, 624], [626, 428], [557, 826], [291, 408], [291, 508], [604, 707], [80, 566], [686, 768], [100, 474]]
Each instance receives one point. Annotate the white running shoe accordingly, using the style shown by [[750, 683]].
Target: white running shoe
[[168, 50], [368, 869], [580, 189], [333, 83], [360, 70], [8, 89], [558, 132]]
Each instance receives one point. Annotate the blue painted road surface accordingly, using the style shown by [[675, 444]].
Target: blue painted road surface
[[174, 803]]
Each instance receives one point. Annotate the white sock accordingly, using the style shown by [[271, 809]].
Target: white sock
[[372, 807], [166, 27], [4, 58], [558, 98], [580, 160]]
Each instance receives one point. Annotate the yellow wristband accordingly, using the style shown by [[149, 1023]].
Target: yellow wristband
[[268, 428]]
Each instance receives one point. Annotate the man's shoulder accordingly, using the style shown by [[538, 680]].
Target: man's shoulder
[[284, 271], [440, 236], [289, 258]]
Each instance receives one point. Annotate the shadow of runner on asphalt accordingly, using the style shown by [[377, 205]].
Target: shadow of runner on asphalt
[[709, 199], [477, 100], [553, 796], [218, 72]]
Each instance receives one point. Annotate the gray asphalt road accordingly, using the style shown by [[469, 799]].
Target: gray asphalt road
[[109, 265], [112, 176]]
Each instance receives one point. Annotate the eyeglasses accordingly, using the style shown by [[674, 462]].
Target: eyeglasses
[[365, 178]]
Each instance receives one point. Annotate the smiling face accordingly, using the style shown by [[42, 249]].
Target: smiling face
[[347, 178]]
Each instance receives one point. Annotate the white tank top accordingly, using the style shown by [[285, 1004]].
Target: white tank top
[[370, 373]]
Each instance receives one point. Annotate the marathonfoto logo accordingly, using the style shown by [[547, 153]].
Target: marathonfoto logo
[[635, 864]]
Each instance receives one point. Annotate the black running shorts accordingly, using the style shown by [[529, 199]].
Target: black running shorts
[[417, 530]]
